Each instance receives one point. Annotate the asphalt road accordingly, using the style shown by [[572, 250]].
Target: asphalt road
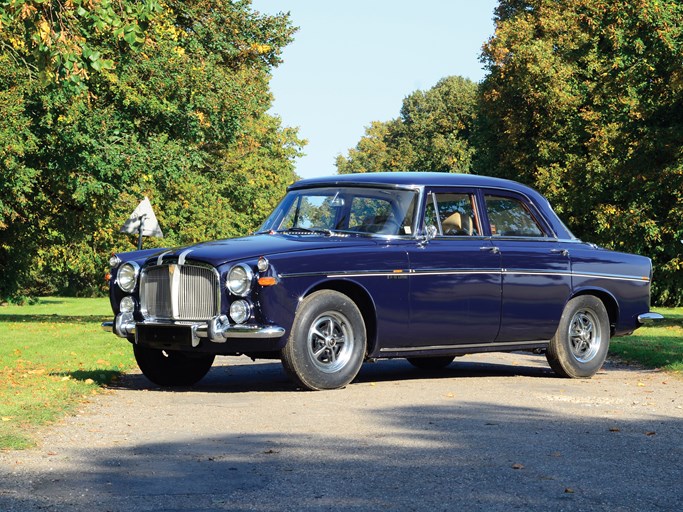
[[491, 432]]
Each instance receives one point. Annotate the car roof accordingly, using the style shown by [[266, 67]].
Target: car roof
[[417, 179]]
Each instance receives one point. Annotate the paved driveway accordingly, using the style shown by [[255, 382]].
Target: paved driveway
[[491, 432]]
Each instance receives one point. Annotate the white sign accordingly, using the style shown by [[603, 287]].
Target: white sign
[[145, 215]]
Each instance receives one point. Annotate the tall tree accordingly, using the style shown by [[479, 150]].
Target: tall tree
[[432, 133], [584, 100], [163, 120]]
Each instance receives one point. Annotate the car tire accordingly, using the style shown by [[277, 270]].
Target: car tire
[[431, 363], [171, 368], [579, 347], [327, 343]]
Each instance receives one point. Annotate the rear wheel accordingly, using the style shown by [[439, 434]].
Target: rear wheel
[[171, 367], [431, 363], [326, 347], [579, 347]]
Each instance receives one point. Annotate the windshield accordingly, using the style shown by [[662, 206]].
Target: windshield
[[346, 210]]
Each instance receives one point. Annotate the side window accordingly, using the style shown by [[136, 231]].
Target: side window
[[453, 214], [511, 217]]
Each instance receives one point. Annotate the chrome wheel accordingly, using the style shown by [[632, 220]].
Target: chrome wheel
[[580, 345], [585, 335], [330, 341], [326, 345]]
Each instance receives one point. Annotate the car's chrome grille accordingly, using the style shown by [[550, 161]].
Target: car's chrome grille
[[179, 292]]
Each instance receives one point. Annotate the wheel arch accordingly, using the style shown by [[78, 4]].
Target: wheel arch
[[609, 301], [360, 296]]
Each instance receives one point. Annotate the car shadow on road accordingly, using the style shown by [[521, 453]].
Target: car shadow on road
[[271, 377]]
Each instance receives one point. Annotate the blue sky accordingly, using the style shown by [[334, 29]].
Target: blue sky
[[353, 61]]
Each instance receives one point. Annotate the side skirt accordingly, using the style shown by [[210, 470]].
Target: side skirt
[[462, 349]]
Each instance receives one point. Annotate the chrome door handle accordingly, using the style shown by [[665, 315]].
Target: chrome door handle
[[493, 249], [563, 252]]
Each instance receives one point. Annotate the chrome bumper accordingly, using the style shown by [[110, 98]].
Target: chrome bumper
[[216, 330], [648, 318]]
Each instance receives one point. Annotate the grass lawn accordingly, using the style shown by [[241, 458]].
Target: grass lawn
[[54, 355], [658, 346]]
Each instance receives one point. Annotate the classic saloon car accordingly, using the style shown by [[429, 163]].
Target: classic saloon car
[[423, 266]]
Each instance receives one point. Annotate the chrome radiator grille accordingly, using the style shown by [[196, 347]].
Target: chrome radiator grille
[[179, 292]]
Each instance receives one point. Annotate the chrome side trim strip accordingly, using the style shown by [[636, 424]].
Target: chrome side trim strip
[[470, 345], [473, 271]]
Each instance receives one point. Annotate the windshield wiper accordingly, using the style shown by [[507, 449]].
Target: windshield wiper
[[317, 231]]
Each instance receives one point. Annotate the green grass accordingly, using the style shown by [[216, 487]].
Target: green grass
[[656, 346], [53, 356]]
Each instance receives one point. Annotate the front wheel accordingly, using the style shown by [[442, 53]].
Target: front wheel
[[580, 345], [171, 367], [326, 347]]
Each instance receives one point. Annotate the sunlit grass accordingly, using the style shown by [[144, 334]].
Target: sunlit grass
[[53, 355], [658, 346]]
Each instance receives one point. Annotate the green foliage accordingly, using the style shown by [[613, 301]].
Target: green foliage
[[179, 118], [584, 101], [432, 133]]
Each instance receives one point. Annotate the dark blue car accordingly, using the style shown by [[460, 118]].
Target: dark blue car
[[422, 266]]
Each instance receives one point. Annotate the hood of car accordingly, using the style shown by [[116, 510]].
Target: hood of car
[[218, 252]]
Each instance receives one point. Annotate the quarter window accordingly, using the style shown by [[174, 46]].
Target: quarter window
[[511, 217]]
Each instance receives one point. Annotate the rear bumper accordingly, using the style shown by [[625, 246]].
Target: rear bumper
[[648, 318], [216, 330]]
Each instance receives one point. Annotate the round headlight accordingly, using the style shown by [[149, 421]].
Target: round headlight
[[127, 276], [239, 280], [240, 311], [127, 305]]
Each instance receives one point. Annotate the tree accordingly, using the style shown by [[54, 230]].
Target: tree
[[584, 101], [432, 133], [166, 120]]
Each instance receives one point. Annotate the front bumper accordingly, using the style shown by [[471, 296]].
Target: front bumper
[[216, 330]]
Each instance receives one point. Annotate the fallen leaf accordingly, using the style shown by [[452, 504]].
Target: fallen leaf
[[614, 429], [89, 381], [271, 451], [569, 490], [6, 418], [518, 466], [556, 454], [450, 395], [650, 433], [641, 385]]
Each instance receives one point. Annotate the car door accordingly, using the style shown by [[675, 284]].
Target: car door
[[535, 268], [455, 284]]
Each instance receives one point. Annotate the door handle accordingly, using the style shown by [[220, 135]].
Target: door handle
[[563, 252], [492, 248]]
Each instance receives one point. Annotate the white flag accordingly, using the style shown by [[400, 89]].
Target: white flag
[[143, 213]]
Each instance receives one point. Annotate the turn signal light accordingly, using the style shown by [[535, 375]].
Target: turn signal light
[[267, 281]]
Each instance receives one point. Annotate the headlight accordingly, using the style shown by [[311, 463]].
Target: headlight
[[127, 276], [240, 311], [127, 305], [239, 280]]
